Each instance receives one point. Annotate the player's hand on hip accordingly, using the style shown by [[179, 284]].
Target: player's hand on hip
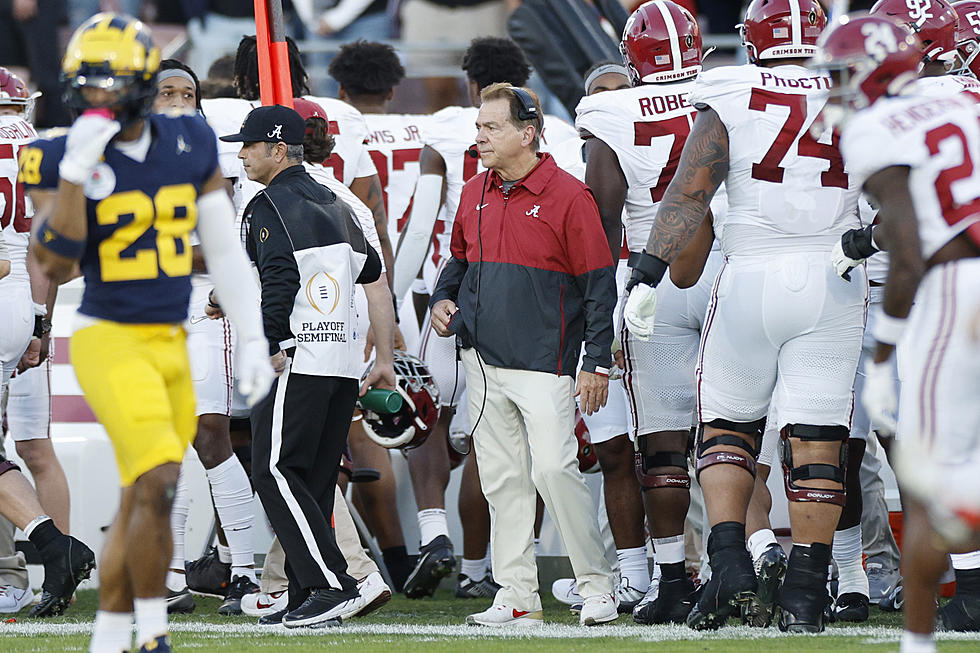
[[880, 397], [442, 312], [382, 375], [592, 391], [87, 139], [641, 307], [843, 264], [255, 371]]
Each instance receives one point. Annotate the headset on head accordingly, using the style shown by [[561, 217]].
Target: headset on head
[[528, 110]]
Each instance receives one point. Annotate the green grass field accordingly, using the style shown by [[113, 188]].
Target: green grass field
[[437, 625]]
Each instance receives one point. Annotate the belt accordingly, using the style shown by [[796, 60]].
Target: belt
[[876, 284]]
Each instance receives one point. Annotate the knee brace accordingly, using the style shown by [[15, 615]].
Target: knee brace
[[6, 465], [823, 471], [754, 429], [643, 463]]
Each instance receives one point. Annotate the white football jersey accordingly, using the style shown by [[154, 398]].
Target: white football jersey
[[944, 85], [394, 142], [569, 155], [786, 189], [939, 139], [15, 205]]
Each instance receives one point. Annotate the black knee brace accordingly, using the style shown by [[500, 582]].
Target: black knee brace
[[755, 429], [824, 471], [643, 463]]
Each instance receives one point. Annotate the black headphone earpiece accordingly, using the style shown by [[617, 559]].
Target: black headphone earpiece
[[528, 110]]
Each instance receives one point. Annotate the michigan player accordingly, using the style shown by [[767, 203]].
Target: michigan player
[[119, 194]]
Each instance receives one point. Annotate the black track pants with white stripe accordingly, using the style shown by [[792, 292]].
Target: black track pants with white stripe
[[298, 434]]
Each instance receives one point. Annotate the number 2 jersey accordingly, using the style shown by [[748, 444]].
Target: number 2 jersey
[[787, 190], [140, 213], [15, 206], [938, 138]]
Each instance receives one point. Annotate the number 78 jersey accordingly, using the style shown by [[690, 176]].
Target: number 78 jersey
[[786, 189], [646, 127]]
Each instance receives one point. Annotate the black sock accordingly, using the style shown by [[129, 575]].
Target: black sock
[[967, 581], [44, 534], [726, 534], [673, 571], [398, 564]]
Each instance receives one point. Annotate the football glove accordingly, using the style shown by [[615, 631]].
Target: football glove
[[641, 306], [853, 248], [254, 370], [879, 397], [87, 139]]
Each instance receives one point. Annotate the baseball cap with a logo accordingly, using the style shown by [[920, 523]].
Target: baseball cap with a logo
[[272, 124]]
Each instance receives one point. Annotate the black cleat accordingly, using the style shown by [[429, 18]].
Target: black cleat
[[274, 619], [436, 561], [208, 575], [770, 568], [239, 587], [852, 607], [732, 589], [467, 588], [674, 601], [962, 612], [802, 599], [324, 607], [159, 644], [67, 562], [180, 602]]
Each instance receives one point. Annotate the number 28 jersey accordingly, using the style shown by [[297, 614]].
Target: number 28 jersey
[[938, 138], [786, 189], [137, 258]]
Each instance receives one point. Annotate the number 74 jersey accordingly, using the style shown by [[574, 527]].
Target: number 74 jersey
[[787, 189]]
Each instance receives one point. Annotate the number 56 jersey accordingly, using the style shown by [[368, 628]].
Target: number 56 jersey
[[140, 207], [787, 190]]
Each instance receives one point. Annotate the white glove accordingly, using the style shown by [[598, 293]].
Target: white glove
[[87, 139], [254, 371], [641, 305], [843, 264], [879, 397]]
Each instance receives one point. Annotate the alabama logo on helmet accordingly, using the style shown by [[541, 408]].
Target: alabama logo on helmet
[[782, 29], [661, 43]]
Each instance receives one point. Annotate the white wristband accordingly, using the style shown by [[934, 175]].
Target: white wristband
[[40, 309], [887, 328]]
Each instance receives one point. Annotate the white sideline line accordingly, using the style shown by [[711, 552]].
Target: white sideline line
[[877, 634]]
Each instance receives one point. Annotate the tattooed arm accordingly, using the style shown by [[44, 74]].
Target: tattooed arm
[[368, 190]]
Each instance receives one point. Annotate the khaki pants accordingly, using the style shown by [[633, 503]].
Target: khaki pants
[[525, 442], [13, 566], [359, 565]]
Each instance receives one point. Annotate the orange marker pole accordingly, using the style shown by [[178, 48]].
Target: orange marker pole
[[279, 54]]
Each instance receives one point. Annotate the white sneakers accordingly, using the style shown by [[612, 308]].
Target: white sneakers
[[566, 591], [13, 599], [499, 616], [375, 593], [260, 604], [599, 609]]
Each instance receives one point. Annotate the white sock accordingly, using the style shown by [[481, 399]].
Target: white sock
[[917, 643], [432, 524], [963, 561], [151, 619], [633, 567], [851, 576], [759, 541], [669, 550], [112, 633], [178, 526], [233, 500], [176, 581], [224, 553], [475, 569]]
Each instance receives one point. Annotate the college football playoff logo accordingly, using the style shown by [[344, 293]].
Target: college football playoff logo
[[322, 291]]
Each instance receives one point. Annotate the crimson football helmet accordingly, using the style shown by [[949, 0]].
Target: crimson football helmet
[[588, 462], [13, 91], [933, 21], [782, 29], [967, 38], [661, 43], [410, 426], [869, 57]]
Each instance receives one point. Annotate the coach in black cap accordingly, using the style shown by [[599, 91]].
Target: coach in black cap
[[310, 251]]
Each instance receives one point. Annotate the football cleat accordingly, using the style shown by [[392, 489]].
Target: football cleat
[[159, 644], [962, 612], [324, 607], [275, 618], [436, 561], [467, 588], [375, 593], [802, 598], [260, 604], [731, 589], [852, 607], [881, 581], [181, 602], [67, 562], [671, 603], [503, 616], [770, 567], [565, 591], [239, 588], [207, 575]]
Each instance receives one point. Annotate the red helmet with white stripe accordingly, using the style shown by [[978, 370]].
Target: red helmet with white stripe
[[13, 91], [934, 21], [967, 38], [782, 29], [661, 43]]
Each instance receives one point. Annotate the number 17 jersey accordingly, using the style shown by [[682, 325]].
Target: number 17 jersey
[[787, 190]]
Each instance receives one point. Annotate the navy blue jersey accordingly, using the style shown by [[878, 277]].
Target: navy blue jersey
[[137, 260]]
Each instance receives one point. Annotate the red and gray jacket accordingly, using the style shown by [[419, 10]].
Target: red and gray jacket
[[531, 273]]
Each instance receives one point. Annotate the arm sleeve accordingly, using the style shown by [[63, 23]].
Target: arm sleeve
[[451, 277], [418, 232], [595, 277], [372, 269], [4, 256], [229, 268], [277, 272], [344, 13]]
